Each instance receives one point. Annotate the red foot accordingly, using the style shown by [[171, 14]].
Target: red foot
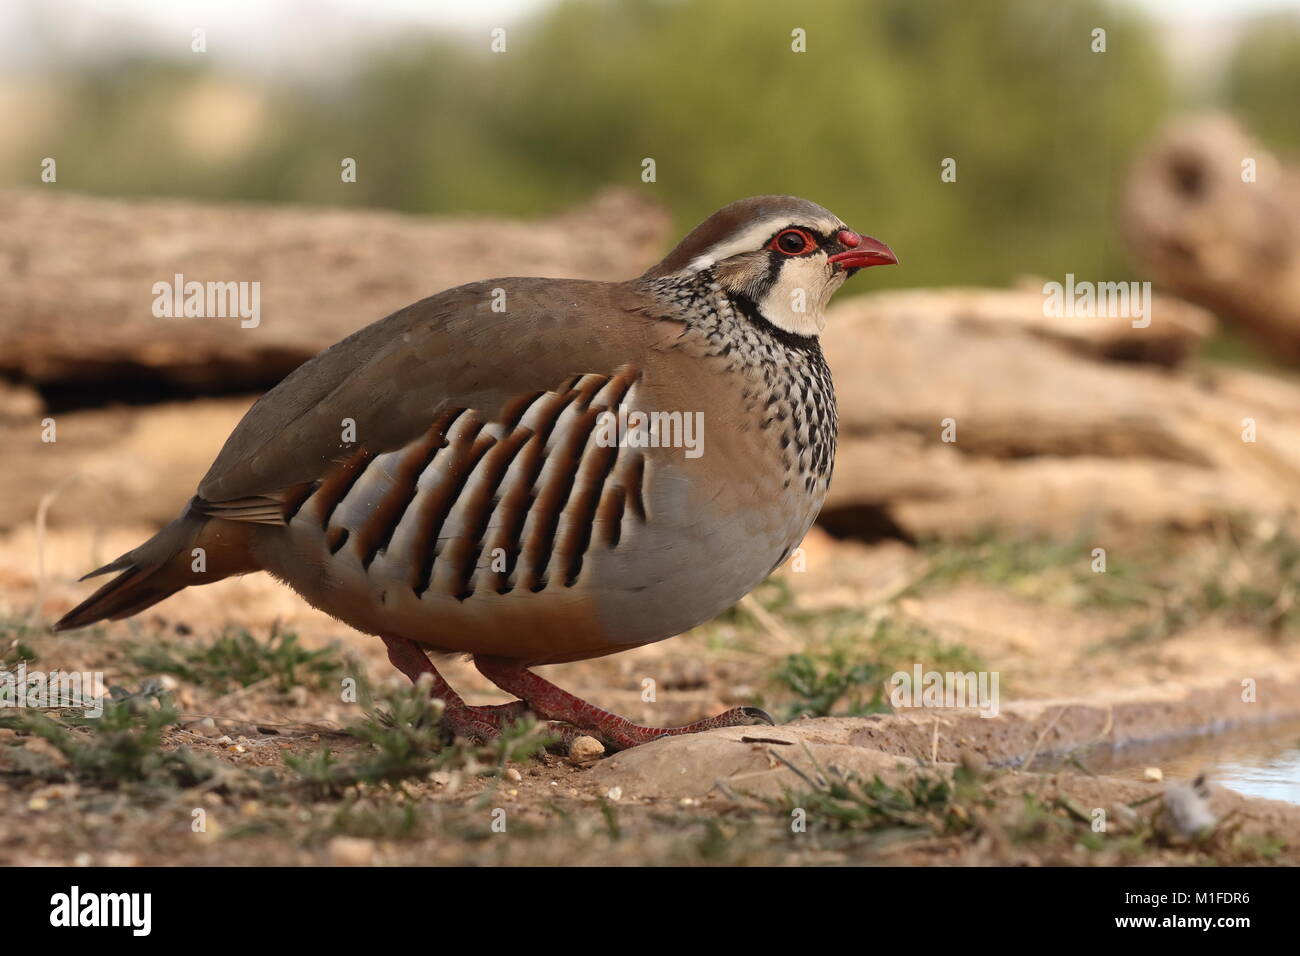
[[479, 724], [549, 701]]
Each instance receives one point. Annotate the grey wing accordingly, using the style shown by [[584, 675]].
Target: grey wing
[[386, 385]]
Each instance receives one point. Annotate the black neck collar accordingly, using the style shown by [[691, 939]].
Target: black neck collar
[[791, 340]]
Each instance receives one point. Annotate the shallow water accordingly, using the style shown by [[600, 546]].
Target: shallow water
[[1259, 762]]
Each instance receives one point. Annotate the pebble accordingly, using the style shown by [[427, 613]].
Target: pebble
[[1187, 809], [1153, 774], [351, 851], [46, 749], [211, 831], [585, 750], [614, 793], [207, 727], [57, 791]]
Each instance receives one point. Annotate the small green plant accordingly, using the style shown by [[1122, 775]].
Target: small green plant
[[14, 653], [238, 659], [822, 682], [375, 821], [923, 803], [404, 734], [122, 746], [846, 670], [1246, 576], [974, 806], [1059, 821], [16, 638], [407, 741]]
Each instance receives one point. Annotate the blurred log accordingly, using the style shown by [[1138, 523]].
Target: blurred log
[[1060, 422], [1177, 328], [18, 403], [76, 278], [1057, 429], [1052, 434], [1228, 244]]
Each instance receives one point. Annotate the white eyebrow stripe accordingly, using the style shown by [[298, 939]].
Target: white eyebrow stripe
[[751, 239]]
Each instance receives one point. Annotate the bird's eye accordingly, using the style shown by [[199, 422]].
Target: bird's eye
[[793, 242]]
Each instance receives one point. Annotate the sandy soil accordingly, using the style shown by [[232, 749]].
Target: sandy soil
[[715, 798]]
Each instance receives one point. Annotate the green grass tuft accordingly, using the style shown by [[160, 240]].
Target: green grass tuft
[[851, 657], [1246, 575], [406, 741], [238, 659], [122, 746]]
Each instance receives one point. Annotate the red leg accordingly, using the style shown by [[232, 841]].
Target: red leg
[[462, 719], [547, 700]]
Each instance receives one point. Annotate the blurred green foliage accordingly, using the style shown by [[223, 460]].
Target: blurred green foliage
[[1264, 81], [1041, 126]]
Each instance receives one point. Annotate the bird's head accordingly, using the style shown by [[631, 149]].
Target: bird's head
[[779, 256]]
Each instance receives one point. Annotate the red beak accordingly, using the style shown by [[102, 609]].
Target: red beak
[[862, 251]]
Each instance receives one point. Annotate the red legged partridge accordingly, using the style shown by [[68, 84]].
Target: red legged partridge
[[533, 471]]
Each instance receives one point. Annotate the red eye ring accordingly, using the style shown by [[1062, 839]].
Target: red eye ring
[[782, 243]]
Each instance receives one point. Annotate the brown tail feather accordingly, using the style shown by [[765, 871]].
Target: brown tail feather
[[158, 569]]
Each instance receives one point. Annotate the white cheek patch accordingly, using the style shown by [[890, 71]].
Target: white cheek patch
[[797, 300]]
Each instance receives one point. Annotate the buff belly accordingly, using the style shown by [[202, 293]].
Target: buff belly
[[678, 567]]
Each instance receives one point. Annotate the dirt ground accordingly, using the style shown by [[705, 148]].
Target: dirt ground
[[275, 770]]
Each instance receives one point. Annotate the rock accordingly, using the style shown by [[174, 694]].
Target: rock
[[585, 750], [757, 761], [351, 851], [46, 750], [19, 403], [298, 696], [207, 727], [76, 296], [1217, 237], [1153, 774], [1048, 435], [1187, 812], [1059, 423]]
